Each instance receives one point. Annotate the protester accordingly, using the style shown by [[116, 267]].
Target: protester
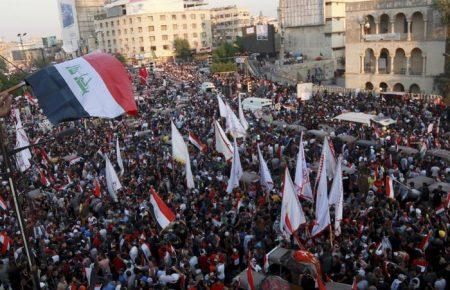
[[74, 224]]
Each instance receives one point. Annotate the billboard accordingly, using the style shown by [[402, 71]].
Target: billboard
[[69, 23], [49, 41], [262, 32], [303, 13]]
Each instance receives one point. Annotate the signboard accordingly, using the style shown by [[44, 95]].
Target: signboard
[[69, 23], [303, 12], [262, 32], [250, 30], [379, 37], [49, 41], [304, 91]]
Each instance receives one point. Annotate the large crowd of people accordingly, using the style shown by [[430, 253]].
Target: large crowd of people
[[216, 234]]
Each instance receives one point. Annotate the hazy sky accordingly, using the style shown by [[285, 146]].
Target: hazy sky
[[40, 17]]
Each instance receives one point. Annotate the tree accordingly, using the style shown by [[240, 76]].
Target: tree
[[443, 80], [239, 44], [224, 53], [182, 48], [121, 58]]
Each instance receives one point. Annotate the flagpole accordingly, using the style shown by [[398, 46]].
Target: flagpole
[[331, 236], [17, 209]]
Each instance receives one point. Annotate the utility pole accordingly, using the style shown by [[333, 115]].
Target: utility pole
[[281, 9]]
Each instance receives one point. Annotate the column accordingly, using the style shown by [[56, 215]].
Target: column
[[408, 64], [361, 32], [392, 66], [392, 21], [424, 65], [425, 28], [377, 26], [377, 57], [361, 64], [409, 28]]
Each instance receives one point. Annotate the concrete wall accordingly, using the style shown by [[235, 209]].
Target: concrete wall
[[309, 40]]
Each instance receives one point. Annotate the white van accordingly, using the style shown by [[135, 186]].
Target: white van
[[254, 104], [207, 87]]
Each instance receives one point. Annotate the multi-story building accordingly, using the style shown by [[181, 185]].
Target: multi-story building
[[394, 45], [227, 23], [314, 28], [149, 31], [86, 11]]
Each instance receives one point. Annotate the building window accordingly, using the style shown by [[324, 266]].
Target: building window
[[119, 32], [153, 48], [109, 42], [184, 26], [204, 34], [114, 41], [165, 37], [132, 39], [101, 25], [125, 31], [106, 24], [183, 16], [124, 21], [107, 33], [150, 18], [175, 26], [141, 39], [162, 17], [130, 21], [163, 27], [112, 23], [117, 22], [152, 39], [126, 39], [131, 30], [140, 29], [185, 36], [139, 19], [194, 35], [174, 17], [193, 16], [194, 25], [142, 49], [151, 28], [113, 33], [175, 36], [165, 47], [203, 16]]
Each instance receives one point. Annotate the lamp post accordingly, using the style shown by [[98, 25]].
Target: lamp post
[[20, 36]]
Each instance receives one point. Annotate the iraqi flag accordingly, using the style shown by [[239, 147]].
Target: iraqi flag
[[389, 187], [196, 142], [3, 204], [5, 243], [94, 85], [163, 214], [250, 280], [424, 243]]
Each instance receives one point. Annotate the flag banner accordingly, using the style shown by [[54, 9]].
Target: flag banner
[[330, 163], [242, 116], [302, 182], [222, 107], [304, 91], [94, 85], [3, 204], [180, 153], [236, 170], [223, 145], [337, 197], [389, 187], [163, 214], [112, 180], [234, 126], [5, 243], [22, 157], [266, 178], [69, 23], [322, 207], [292, 216], [119, 157], [250, 280], [196, 142], [97, 188]]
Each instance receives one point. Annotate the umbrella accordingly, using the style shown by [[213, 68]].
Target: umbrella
[[367, 143], [297, 128], [407, 150], [250, 177], [418, 181], [445, 186], [280, 124], [346, 138], [318, 133], [326, 128], [444, 154]]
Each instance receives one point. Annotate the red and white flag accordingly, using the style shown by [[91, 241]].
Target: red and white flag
[[292, 216], [377, 131], [3, 204], [389, 187], [163, 214], [196, 142], [250, 280], [32, 101], [223, 144], [44, 179], [424, 243], [5, 243], [302, 182], [307, 257], [322, 204], [337, 197], [97, 188]]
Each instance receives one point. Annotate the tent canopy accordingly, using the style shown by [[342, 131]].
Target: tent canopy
[[355, 117]]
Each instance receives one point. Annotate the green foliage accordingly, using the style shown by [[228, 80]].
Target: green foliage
[[121, 58], [3, 65], [444, 8], [223, 67], [182, 48], [239, 44], [224, 53]]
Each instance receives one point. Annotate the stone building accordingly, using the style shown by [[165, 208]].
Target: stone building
[[227, 23], [394, 45]]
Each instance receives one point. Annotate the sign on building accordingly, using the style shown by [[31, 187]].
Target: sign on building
[[303, 12], [262, 32], [70, 32]]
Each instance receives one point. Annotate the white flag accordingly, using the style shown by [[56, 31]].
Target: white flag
[[23, 157], [234, 126], [266, 178], [242, 116], [337, 197], [322, 209], [236, 170], [302, 182], [112, 181], [330, 159], [180, 153], [222, 107], [119, 157], [223, 145], [292, 216]]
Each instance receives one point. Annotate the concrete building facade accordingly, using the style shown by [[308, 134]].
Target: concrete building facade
[[394, 45], [227, 23], [151, 35], [86, 11]]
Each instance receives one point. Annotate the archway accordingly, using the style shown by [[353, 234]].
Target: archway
[[400, 62], [369, 25], [383, 87], [384, 62], [416, 62], [417, 26], [398, 87], [384, 24], [414, 89], [369, 86], [369, 61], [400, 24]]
